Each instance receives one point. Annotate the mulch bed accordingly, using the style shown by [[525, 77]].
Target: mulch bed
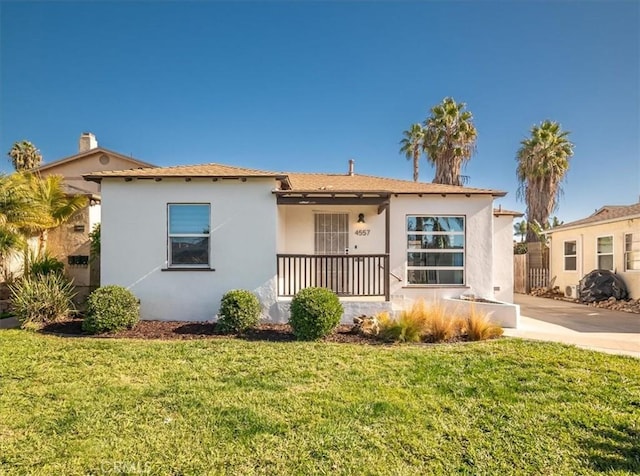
[[170, 330]]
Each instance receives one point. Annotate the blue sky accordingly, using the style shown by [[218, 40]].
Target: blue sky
[[305, 86]]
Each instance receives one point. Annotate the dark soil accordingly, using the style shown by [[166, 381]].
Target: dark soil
[[167, 330]]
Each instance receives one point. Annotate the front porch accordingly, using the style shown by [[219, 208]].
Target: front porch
[[365, 275]]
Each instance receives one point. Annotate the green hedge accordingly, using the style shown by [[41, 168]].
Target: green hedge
[[239, 311], [315, 313], [111, 308]]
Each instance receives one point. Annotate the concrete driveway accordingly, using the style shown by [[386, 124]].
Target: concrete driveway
[[570, 323]]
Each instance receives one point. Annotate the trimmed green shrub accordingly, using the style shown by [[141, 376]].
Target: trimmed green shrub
[[41, 299], [239, 311], [315, 312], [111, 308]]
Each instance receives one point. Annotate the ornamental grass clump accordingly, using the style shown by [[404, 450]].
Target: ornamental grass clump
[[478, 327], [420, 323], [441, 324], [111, 308], [409, 327], [239, 311], [40, 299], [315, 313]]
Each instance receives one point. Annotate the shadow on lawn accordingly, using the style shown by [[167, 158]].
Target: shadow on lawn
[[614, 449]]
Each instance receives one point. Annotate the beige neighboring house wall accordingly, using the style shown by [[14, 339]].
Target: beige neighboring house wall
[[72, 238], [621, 224]]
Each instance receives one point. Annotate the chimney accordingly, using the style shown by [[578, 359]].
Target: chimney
[[351, 163], [87, 142]]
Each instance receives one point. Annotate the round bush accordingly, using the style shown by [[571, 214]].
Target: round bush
[[111, 308], [315, 312], [239, 311]]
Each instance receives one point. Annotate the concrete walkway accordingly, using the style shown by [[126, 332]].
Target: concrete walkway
[[545, 319]]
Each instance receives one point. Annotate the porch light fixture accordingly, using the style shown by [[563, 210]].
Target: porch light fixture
[[361, 218]]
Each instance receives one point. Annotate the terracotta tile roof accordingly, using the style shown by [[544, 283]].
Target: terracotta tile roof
[[606, 213], [297, 182]]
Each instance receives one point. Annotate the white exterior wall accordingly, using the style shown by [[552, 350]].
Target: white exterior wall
[[478, 213], [503, 258], [243, 244], [94, 215]]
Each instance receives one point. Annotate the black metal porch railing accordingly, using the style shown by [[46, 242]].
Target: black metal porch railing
[[346, 275]]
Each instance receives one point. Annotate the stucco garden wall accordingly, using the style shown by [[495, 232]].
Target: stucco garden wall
[[243, 243]]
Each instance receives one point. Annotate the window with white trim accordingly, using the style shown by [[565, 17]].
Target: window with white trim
[[632, 252], [435, 249], [604, 252], [188, 234], [570, 255]]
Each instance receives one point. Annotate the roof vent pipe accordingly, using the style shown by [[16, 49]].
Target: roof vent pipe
[[351, 163]]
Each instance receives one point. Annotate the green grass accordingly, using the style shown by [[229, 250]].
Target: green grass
[[92, 406]]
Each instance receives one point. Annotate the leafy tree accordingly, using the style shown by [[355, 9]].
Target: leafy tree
[[543, 161], [24, 156], [449, 140], [412, 146], [58, 207]]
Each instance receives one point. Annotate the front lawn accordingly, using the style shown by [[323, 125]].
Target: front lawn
[[225, 406]]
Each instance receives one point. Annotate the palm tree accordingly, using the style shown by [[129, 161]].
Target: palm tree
[[18, 212], [520, 229], [49, 193], [543, 161], [449, 140], [412, 146], [24, 156]]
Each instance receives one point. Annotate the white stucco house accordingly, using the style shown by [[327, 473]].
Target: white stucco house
[[180, 237]]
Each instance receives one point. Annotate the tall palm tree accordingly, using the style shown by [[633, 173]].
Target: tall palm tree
[[449, 140], [412, 146], [58, 206], [543, 161], [24, 156]]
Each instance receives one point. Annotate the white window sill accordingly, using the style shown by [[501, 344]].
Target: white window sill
[[186, 268]]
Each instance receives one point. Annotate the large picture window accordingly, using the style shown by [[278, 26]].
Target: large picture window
[[435, 249], [189, 225], [604, 252], [570, 255], [632, 252]]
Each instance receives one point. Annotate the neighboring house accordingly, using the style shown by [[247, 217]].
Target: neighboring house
[[609, 239], [180, 237], [70, 241]]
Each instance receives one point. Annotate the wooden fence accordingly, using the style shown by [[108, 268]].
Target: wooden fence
[[520, 274], [526, 278]]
